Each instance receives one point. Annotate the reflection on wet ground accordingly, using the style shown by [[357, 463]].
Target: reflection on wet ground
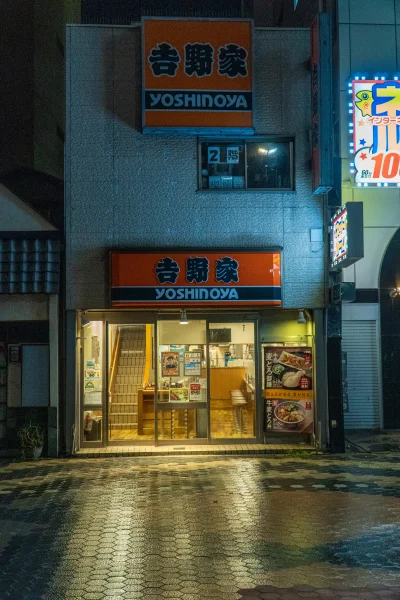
[[201, 527]]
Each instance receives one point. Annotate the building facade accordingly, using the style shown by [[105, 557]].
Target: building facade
[[29, 316], [366, 49], [140, 207]]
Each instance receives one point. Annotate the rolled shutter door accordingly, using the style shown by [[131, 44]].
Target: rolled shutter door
[[359, 340]]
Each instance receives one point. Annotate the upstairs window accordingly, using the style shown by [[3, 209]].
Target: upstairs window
[[259, 164]]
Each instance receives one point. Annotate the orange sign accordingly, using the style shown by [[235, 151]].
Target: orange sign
[[197, 74], [197, 278]]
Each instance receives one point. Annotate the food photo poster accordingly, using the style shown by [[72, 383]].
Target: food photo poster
[[288, 389]]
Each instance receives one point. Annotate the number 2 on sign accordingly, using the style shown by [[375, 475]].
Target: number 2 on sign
[[387, 167]]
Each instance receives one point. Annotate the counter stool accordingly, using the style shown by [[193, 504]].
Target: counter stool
[[238, 402]]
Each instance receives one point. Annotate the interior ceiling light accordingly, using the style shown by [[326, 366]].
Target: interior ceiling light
[[394, 293], [262, 150], [302, 319], [184, 319]]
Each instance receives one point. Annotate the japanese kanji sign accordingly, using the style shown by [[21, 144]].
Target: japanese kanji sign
[[197, 74], [376, 132], [347, 235], [195, 278]]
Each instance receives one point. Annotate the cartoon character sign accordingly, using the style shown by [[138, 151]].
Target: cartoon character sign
[[170, 364], [376, 131]]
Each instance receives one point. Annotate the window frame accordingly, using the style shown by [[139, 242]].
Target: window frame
[[246, 140]]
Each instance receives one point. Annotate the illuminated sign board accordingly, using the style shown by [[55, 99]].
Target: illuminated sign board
[[196, 278], [197, 76], [375, 130], [347, 235]]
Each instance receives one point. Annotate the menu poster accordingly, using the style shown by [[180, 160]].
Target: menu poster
[[289, 416], [288, 389], [192, 363], [170, 364], [179, 395], [288, 368]]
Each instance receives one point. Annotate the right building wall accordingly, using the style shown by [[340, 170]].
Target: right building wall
[[368, 36]]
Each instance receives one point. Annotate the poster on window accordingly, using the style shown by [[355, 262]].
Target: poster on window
[[192, 365], [288, 389], [195, 392], [170, 364], [232, 155]]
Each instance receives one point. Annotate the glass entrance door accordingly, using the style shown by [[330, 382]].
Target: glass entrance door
[[130, 377], [182, 381], [232, 380]]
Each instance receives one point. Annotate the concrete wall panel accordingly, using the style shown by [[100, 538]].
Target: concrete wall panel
[[125, 189]]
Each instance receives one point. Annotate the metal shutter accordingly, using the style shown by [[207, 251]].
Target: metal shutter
[[359, 340]]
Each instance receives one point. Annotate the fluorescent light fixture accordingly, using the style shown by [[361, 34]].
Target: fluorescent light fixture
[[262, 150], [183, 319]]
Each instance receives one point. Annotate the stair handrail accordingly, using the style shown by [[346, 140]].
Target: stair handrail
[[113, 364]]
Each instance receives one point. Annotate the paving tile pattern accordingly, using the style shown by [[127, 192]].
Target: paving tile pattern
[[201, 527]]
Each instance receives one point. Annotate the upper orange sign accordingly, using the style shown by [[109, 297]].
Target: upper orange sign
[[200, 277], [197, 74]]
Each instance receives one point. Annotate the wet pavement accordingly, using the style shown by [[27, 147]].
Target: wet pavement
[[202, 527]]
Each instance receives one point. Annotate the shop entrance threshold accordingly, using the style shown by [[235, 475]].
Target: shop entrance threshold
[[226, 449]]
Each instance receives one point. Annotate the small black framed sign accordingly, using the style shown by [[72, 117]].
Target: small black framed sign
[[14, 353]]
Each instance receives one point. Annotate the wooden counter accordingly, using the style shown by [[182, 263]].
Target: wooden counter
[[225, 379]]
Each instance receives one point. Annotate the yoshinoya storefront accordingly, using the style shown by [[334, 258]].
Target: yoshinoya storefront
[[195, 349], [196, 254]]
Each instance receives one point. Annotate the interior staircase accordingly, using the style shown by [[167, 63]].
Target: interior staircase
[[129, 377]]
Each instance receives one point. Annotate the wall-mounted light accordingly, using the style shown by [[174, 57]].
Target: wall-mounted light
[[394, 293], [302, 319], [183, 319]]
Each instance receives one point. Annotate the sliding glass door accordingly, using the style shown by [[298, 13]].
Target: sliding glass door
[[232, 380], [130, 383], [182, 381]]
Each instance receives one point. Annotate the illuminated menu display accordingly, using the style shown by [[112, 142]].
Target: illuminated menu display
[[347, 235]]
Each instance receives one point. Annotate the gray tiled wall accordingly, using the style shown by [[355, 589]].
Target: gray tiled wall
[[125, 189]]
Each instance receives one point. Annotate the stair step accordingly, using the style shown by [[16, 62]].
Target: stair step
[[123, 426], [121, 407], [128, 379], [124, 399], [134, 371], [131, 362]]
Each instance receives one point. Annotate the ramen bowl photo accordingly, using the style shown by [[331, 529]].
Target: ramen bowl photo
[[290, 414]]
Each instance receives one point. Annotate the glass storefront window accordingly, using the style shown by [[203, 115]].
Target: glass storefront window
[[232, 380], [92, 425], [177, 424], [92, 334], [182, 370], [182, 379], [262, 164]]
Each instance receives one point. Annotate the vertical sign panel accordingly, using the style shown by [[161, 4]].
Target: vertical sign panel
[[321, 98], [197, 75], [376, 132]]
